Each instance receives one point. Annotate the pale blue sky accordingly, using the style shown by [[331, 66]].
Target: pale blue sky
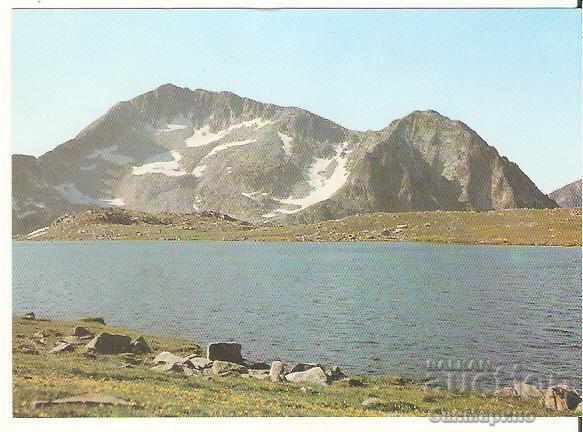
[[513, 76]]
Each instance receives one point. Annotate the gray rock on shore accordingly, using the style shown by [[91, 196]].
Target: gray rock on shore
[[302, 367], [277, 372], [107, 343], [140, 346], [168, 357], [225, 351], [223, 368], [80, 331], [62, 347], [315, 375]]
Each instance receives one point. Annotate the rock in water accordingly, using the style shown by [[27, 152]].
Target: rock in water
[[315, 375], [107, 343], [29, 316], [139, 346], [561, 398], [277, 371], [81, 332], [225, 351]]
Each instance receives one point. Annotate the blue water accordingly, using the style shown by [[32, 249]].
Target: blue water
[[368, 307]]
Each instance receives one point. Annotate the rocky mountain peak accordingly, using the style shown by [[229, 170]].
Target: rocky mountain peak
[[181, 150]]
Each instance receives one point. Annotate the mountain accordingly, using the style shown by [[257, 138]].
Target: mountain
[[568, 196], [181, 150]]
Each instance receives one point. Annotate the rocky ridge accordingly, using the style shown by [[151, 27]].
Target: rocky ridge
[[179, 150]]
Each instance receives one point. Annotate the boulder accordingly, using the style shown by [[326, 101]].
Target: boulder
[[561, 398], [42, 334], [62, 347], [315, 375], [169, 367], [225, 351], [302, 367], [198, 362], [107, 343], [249, 364], [526, 391], [334, 373], [352, 382], [29, 316], [139, 346], [130, 358], [29, 349], [81, 331], [168, 357], [226, 368], [76, 340], [277, 371]]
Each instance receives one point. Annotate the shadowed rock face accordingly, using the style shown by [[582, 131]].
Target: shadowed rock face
[[568, 196], [181, 150]]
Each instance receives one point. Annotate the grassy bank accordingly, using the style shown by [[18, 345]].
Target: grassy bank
[[44, 376], [550, 227]]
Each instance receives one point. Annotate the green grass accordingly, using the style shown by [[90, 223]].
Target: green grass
[[46, 376]]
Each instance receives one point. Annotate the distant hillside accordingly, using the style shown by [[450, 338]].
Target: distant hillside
[[568, 196]]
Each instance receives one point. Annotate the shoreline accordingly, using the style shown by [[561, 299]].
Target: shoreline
[[124, 375], [518, 227], [255, 241]]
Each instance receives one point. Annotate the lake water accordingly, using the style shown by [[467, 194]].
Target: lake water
[[367, 307]]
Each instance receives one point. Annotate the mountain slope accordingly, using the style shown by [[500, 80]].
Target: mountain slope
[[181, 150], [569, 196]]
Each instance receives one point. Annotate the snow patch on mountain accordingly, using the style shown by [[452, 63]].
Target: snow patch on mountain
[[163, 163], [37, 233], [325, 177], [203, 136], [286, 140], [73, 195], [171, 127], [109, 154], [226, 146], [199, 170]]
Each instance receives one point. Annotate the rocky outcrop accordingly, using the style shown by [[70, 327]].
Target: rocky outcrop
[[181, 150], [568, 196], [107, 343], [225, 351]]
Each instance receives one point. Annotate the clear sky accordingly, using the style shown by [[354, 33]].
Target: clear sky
[[513, 76]]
